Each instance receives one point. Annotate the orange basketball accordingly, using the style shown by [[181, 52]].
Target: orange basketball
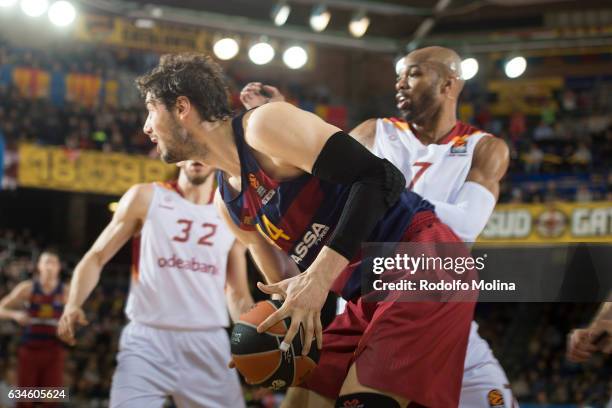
[[258, 357]]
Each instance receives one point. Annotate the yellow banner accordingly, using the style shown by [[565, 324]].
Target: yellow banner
[[529, 96], [86, 171], [550, 223], [162, 37]]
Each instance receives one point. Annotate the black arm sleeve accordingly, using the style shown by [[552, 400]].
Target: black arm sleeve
[[376, 186]]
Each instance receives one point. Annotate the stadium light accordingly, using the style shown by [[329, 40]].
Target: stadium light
[[62, 13], [319, 18], [469, 68], [226, 48], [515, 67], [7, 3], [34, 8], [359, 24], [261, 53], [295, 57], [280, 13]]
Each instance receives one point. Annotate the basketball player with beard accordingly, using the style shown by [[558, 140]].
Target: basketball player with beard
[[185, 263], [453, 165], [283, 181]]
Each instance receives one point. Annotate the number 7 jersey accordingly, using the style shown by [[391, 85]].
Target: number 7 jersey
[[434, 171], [179, 264]]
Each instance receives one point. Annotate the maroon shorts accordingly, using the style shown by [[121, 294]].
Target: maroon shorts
[[41, 365], [412, 349]]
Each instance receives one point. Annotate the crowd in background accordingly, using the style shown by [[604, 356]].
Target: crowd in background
[[528, 339], [562, 154]]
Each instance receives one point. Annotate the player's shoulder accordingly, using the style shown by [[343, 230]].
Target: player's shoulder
[[137, 199], [141, 191], [365, 132], [24, 288], [162, 185], [467, 130], [484, 140], [368, 126], [264, 123], [269, 113], [491, 146], [395, 122]]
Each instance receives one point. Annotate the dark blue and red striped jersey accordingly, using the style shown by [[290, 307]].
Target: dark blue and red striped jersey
[[299, 215], [44, 310]]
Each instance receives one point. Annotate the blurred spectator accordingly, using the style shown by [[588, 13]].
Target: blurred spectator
[[533, 194], [543, 132], [533, 159], [582, 157], [551, 193], [517, 196], [518, 127], [583, 194], [548, 113], [568, 102]]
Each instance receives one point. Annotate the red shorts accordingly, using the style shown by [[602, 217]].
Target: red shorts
[[412, 349], [41, 365]]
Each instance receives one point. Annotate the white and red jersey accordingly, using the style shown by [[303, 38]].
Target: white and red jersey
[[437, 172], [434, 171], [179, 265]]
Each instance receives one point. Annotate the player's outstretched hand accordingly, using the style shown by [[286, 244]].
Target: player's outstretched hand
[[255, 94], [601, 332], [304, 298], [580, 345], [71, 317]]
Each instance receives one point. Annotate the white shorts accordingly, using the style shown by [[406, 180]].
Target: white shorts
[[485, 384], [189, 366]]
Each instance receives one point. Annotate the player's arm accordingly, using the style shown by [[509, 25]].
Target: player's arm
[[582, 343], [605, 312], [295, 138], [239, 298], [15, 299], [468, 214], [126, 221], [255, 94], [601, 328]]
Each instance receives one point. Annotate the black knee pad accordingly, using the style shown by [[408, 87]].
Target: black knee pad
[[366, 400]]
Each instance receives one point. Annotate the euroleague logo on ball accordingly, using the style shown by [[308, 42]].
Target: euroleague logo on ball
[[277, 385], [354, 403]]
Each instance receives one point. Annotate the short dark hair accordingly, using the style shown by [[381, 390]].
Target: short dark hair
[[50, 251], [193, 75]]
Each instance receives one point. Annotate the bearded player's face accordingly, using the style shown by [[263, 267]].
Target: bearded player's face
[[174, 143], [418, 94], [196, 172]]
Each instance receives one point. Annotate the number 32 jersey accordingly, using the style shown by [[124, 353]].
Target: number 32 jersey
[[179, 265], [435, 171]]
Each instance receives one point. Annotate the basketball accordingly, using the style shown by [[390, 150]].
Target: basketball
[[258, 357]]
